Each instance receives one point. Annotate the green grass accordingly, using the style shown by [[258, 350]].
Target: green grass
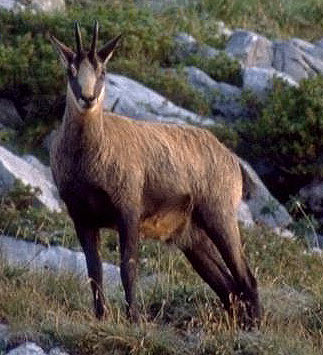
[[180, 315], [279, 18]]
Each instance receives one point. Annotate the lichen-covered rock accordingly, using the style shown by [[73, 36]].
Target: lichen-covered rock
[[128, 97], [38, 165], [225, 99], [260, 80], [251, 49], [14, 168], [314, 50], [264, 208], [298, 59], [186, 45], [34, 256]]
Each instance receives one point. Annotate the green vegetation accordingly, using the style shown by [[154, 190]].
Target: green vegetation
[[21, 216], [220, 68], [289, 130], [280, 18], [180, 315], [285, 133]]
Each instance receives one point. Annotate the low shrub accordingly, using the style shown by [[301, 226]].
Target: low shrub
[[288, 130]]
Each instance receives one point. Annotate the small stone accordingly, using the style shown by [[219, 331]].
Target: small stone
[[299, 59], [285, 233], [57, 351], [27, 349]]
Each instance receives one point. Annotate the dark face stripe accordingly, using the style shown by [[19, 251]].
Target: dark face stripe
[[77, 89], [75, 86]]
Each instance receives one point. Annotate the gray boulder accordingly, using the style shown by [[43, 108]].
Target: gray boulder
[[34, 257], [314, 50], [14, 168], [38, 165], [9, 116], [251, 49], [186, 45], [225, 99], [260, 80], [298, 59], [128, 97], [264, 208]]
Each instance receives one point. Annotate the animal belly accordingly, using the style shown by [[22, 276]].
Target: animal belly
[[164, 226]]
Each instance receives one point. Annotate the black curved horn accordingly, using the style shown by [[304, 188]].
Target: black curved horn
[[78, 38]]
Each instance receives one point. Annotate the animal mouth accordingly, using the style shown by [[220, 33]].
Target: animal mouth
[[87, 103]]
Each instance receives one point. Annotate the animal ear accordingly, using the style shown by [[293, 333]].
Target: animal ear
[[66, 55], [105, 53]]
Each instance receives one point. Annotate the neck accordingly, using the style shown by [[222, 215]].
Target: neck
[[84, 128]]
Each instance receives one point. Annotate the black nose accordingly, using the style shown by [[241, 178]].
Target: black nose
[[89, 101]]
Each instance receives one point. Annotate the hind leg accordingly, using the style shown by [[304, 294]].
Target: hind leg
[[206, 261], [222, 228]]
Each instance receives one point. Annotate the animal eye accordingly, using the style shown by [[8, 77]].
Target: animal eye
[[73, 70]]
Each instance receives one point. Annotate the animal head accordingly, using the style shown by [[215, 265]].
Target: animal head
[[85, 68]]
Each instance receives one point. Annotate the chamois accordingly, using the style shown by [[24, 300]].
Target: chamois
[[170, 182]]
